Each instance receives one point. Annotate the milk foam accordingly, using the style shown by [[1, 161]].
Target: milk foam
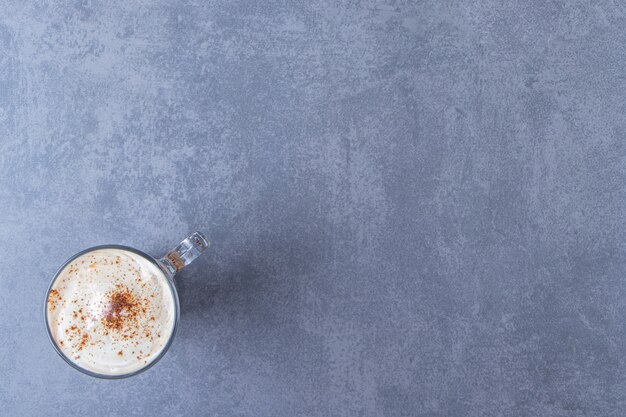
[[111, 311]]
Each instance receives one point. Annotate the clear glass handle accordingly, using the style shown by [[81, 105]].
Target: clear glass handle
[[184, 254]]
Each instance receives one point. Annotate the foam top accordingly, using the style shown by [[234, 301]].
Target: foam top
[[111, 311]]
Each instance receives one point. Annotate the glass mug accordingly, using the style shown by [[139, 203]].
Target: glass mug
[[114, 315]]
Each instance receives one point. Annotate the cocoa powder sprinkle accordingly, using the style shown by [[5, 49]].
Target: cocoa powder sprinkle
[[53, 298], [83, 341], [122, 312]]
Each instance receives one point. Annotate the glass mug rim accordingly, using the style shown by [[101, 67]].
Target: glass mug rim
[[169, 271]]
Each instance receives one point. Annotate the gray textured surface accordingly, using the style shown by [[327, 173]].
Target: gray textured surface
[[417, 209]]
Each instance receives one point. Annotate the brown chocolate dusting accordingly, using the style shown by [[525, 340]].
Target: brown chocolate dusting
[[123, 311], [83, 341], [53, 298]]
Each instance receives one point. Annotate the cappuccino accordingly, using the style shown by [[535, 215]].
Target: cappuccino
[[111, 311]]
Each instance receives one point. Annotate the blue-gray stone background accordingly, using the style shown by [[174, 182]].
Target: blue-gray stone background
[[417, 208]]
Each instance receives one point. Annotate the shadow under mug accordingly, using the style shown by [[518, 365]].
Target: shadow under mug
[[170, 264]]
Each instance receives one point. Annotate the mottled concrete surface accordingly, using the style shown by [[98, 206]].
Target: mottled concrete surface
[[417, 208]]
